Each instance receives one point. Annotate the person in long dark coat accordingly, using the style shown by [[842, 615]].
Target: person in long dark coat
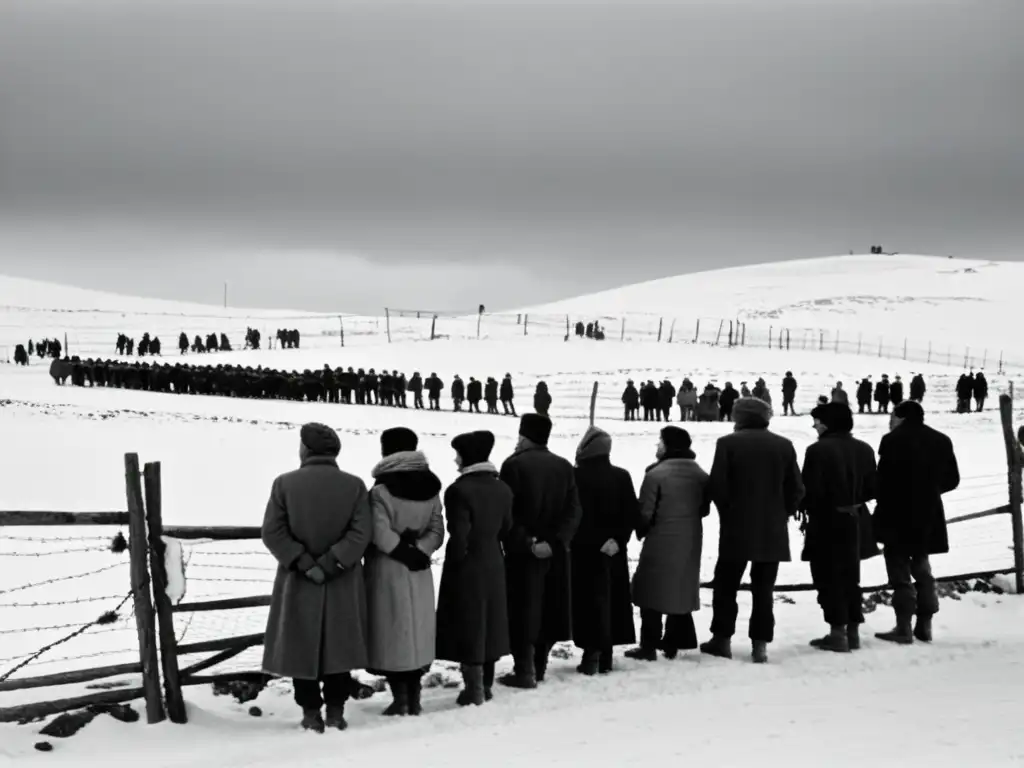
[[674, 500], [472, 606], [317, 526], [602, 613], [839, 479], [916, 465], [757, 488], [545, 515]]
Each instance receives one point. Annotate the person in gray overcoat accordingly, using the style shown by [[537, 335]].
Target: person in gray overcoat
[[317, 526], [757, 487], [538, 570], [674, 500], [408, 528], [472, 607]]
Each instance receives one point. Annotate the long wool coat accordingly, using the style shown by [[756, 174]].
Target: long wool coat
[[401, 602], [602, 614], [916, 465], [315, 630], [472, 607], [757, 487], [545, 508], [674, 500]]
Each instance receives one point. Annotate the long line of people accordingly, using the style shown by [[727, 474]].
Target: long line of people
[[536, 550]]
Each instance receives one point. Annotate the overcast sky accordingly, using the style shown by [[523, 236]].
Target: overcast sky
[[348, 155]]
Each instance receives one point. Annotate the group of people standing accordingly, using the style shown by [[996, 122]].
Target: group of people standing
[[536, 551]]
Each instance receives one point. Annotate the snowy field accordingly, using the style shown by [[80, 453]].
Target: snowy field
[[63, 449]]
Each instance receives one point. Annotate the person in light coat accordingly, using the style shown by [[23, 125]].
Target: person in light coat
[[408, 528], [317, 526], [674, 500]]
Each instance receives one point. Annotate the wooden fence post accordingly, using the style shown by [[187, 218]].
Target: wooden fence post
[[696, 333], [144, 619], [730, 334], [718, 336], [479, 317], [387, 319], [770, 336], [1013, 463], [1000, 361], [661, 322], [821, 340], [526, 322], [593, 403], [433, 327], [787, 339], [622, 333], [743, 336], [173, 698], [567, 332], [341, 328], [671, 330]]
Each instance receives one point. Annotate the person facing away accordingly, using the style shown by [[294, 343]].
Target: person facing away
[[839, 479], [674, 500], [916, 465], [602, 614], [472, 606], [317, 526], [545, 515], [756, 487], [408, 528]]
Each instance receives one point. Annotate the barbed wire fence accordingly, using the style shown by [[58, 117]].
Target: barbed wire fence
[[93, 333]]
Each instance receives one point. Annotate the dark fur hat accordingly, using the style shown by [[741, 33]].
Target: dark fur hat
[[535, 427], [320, 440], [474, 447], [396, 440]]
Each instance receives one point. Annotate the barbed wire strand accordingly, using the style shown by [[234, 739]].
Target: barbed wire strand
[[60, 603], [108, 617], [59, 579]]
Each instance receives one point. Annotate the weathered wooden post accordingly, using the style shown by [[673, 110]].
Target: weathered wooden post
[[145, 622], [593, 403], [433, 327], [696, 333], [1014, 452], [661, 322], [787, 339], [622, 333], [479, 318], [671, 330], [743, 336], [173, 698], [341, 329], [387, 320], [526, 322], [718, 336]]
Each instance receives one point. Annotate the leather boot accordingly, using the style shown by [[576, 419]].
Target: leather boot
[[590, 664], [853, 636], [901, 634], [540, 662], [414, 686], [399, 706], [524, 674], [312, 720], [642, 654], [473, 685], [923, 629], [718, 646], [836, 640], [604, 663], [488, 680], [336, 717], [759, 652]]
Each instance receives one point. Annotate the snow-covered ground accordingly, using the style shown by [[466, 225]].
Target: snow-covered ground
[[62, 448]]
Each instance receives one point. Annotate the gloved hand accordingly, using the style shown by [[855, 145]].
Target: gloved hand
[[316, 575], [610, 548], [541, 550], [409, 536], [329, 565], [411, 557]]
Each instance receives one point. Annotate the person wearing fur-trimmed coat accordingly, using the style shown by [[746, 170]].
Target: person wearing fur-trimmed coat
[[602, 612], [545, 515], [408, 528], [317, 526], [674, 500], [472, 606]]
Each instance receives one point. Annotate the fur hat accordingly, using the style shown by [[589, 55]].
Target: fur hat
[[396, 440], [474, 447], [751, 412], [535, 427], [909, 410], [320, 440], [595, 442], [837, 417], [676, 439]]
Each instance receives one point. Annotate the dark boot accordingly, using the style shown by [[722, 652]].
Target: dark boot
[[923, 629], [759, 652], [473, 682], [336, 717], [853, 636], [718, 646], [641, 654], [312, 720], [837, 640], [400, 698], [604, 664], [415, 688], [488, 681], [524, 674], [590, 664], [901, 634], [540, 662]]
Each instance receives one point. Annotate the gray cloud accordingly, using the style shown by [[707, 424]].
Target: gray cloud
[[618, 141]]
